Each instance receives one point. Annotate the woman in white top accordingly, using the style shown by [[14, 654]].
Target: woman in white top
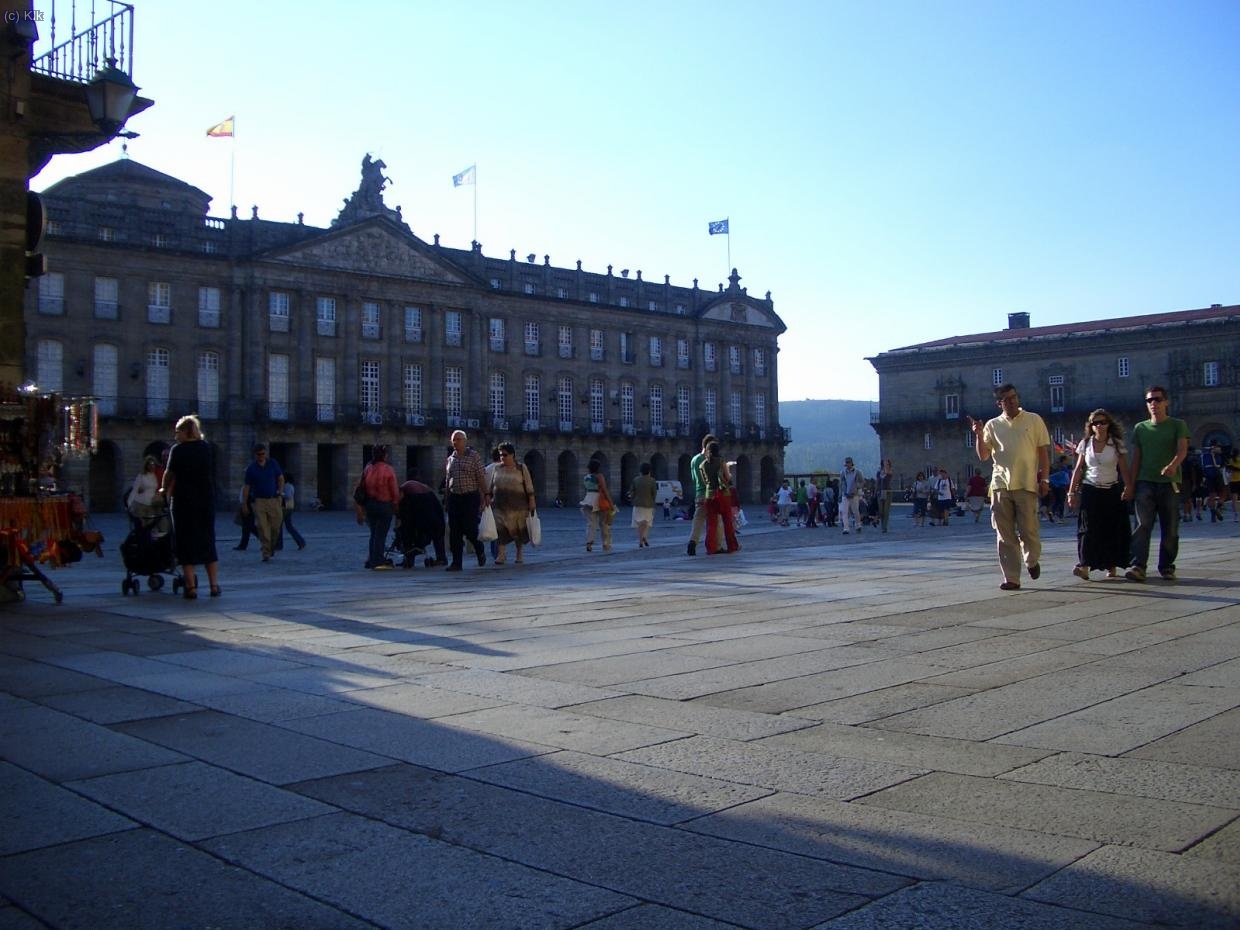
[[145, 502], [1102, 527]]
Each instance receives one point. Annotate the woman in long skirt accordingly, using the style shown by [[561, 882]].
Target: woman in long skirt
[[1097, 483]]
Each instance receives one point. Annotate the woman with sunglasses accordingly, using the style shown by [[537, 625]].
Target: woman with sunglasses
[[1096, 486], [512, 502]]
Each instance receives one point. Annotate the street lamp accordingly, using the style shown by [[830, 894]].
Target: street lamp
[[109, 96]]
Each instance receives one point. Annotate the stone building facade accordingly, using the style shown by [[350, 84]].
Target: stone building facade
[[1062, 372], [323, 342]]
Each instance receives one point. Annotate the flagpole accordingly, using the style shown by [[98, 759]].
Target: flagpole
[[475, 201], [232, 170], [728, 271]]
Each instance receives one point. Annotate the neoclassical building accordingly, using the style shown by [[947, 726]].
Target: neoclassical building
[[323, 342], [1062, 372]]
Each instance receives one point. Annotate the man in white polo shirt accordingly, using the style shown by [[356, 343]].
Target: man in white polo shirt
[[1018, 444]]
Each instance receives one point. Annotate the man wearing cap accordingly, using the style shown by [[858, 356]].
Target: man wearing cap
[[1018, 444]]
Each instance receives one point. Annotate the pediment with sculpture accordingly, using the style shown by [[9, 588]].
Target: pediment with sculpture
[[372, 248]]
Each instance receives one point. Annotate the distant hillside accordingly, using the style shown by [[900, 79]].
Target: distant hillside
[[825, 431]]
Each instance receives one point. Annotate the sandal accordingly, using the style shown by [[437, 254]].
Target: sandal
[[215, 590], [190, 593]]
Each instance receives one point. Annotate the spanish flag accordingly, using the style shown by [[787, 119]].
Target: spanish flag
[[222, 130]]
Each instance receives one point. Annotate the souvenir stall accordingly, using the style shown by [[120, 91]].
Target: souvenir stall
[[42, 524]]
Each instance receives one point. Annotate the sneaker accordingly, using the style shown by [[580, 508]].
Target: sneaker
[[692, 548], [846, 532], [384, 567], [1035, 570], [1081, 572], [1136, 573], [1168, 574]]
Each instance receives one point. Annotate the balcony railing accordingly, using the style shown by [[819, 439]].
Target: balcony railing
[[80, 56]]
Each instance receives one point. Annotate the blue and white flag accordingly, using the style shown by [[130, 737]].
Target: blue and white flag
[[718, 227], [465, 177]]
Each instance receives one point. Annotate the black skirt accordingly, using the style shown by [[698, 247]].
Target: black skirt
[[1102, 528]]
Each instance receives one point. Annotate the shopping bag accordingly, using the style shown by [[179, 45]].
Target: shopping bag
[[486, 527], [534, 525]]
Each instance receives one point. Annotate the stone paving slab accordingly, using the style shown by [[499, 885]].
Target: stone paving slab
[[885, 702], [36, 813], [1149, 886], [228, 661], [691, 685], [1013, 670], [563, 729], [13, 919], [34, 679], [1212, 742], [1129, 721], [268, 753], [693, 717], [660, 865], [655, 917], [777, 768], [116, 704], [222, 801], [401, 879], [626, 789], [927, 752], [1009, 708], [912, 845], [939, 905], [434, 744], [1093, 815], [272, 705], [1169, 781], [811, 690], [619, 669], [415, 700], [61, 747], [1223, 846], [181, 887], [528, 687]]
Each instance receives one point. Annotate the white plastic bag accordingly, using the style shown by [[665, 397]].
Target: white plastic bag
[[486, 526], [534, 524]]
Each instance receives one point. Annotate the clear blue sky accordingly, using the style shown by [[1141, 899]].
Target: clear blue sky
[[894, 172]]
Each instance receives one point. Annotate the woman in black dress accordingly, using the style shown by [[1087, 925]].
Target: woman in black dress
[[188, 484]]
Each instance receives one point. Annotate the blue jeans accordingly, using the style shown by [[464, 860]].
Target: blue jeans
[[1156, 499], [379, 519]]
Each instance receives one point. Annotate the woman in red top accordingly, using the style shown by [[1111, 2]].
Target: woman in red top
[[382, 494]]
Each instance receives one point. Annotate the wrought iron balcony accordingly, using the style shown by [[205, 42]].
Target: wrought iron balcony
[[85, 52]]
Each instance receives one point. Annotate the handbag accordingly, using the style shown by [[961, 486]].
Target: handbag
[[533, 524], [486, 526], [359, 492]]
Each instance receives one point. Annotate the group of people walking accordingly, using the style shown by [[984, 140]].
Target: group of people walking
[[1107, 475]]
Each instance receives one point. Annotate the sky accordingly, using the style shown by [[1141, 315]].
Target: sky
[[893, 172]]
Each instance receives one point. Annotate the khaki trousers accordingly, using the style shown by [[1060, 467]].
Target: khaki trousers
[[268, 515], [1014, 515]]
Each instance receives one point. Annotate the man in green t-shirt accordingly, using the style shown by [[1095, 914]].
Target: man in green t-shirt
[[699, 494], [1159, 445]]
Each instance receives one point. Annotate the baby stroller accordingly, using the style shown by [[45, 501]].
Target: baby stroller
[[419, 527], [148, 550]]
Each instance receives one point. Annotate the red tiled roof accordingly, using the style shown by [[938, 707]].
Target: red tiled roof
[[1118, 324]]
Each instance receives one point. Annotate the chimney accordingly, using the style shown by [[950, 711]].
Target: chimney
[[1018, 320]]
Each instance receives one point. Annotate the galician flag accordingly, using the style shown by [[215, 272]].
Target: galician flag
[[465, 177], [222, 130], [718, 228]]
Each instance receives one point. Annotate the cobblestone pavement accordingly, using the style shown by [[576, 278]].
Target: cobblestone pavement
[[817, 732]]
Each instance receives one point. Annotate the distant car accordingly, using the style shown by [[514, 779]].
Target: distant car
[[669, 492]]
